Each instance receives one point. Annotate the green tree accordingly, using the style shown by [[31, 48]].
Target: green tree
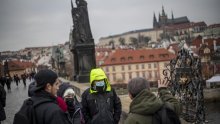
[[134, 41], [122, 41]]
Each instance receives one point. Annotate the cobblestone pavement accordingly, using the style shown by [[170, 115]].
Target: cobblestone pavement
[[14, 100]]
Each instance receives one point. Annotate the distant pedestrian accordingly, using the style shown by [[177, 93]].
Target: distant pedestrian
[[47, 110], [8, 82], [24, 77], [16, 79], [2, 80], [2, 103], [145, 104]]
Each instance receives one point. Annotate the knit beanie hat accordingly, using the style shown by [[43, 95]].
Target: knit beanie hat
[[68, 91], [65, 88], [43, 77]]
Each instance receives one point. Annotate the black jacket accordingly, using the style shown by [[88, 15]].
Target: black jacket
[[75, 115], [2, 103], [101, 108], [49, 112]]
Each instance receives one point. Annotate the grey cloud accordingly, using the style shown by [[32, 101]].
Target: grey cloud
[[45, 22]]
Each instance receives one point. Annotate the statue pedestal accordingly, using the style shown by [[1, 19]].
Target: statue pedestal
[[84, 61]]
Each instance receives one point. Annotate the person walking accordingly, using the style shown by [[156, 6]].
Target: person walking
[[101, 105], [8, 82], [47, 111], [145, 103], [24, 77], [73, 112], [2, 103], [16, 78], [2, 81]]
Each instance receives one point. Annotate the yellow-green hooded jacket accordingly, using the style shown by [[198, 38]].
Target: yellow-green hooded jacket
[[100, 108], [98, 74]]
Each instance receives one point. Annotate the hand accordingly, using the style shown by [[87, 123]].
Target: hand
[[163, 83]]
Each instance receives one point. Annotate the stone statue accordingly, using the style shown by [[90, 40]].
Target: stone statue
[[81, 27], [82, 42]]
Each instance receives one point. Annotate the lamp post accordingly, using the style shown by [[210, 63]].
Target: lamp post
[[186, 83]]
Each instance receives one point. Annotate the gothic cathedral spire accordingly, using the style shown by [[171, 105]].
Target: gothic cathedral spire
[[163, 12], [172, 15], [155, 23]]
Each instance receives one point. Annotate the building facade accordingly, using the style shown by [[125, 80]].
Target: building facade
[[124, 65]]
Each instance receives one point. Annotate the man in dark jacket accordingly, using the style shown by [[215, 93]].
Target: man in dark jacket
[[48, 111], [2, 103], [145, 103], [101, 105]]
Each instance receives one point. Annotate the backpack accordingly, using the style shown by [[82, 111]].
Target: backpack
[[26, 115], [165, 115]]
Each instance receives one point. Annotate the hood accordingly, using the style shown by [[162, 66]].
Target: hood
[[31, 89], [42, 97], [62, 89], [98, 74], [145, 103]]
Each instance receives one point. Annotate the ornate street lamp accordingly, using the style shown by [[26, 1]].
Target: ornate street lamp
[[186, 83]]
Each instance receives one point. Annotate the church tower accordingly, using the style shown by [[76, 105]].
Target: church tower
[[163, 17], [155, 23]]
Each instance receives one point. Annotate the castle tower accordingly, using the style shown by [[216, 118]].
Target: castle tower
[[163, 17], [155, 23]]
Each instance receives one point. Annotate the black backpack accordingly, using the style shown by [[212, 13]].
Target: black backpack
[[166, 115], [26, 115]]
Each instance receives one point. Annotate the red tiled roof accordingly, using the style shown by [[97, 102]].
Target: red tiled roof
[[19, 65], [185, 25], [199, 24], [197, 41], [214, 26], [210, 42], [179, 26], [129, 56], [103, 49], [175, 47], [101, 56]]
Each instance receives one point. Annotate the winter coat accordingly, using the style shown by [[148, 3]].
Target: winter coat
[[2, 103], [48, 112], [145, 104], [101, 108], [75, 116]]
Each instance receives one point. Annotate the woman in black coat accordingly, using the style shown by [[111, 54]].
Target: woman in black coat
[[2, 103], [73, 112]]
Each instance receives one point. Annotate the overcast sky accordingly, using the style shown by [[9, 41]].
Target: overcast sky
[[29, 23]]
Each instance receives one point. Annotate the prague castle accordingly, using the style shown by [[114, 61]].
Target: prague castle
[[175, 29], [163, 20]]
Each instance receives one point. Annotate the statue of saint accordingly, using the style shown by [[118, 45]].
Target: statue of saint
[[81, 27]]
